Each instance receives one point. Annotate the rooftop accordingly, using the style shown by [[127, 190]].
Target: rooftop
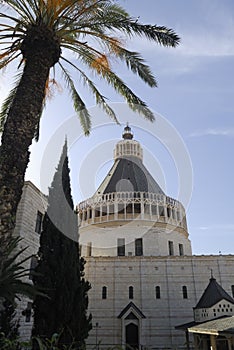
[[213, 293]]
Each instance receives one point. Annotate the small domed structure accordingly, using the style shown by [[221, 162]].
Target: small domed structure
[[127, 134]]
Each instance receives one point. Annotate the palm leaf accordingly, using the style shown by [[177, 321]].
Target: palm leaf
[[74, 24], [136, 63], [100, 99], [78, 103], [8, 102], [11, 272], [134, 102]]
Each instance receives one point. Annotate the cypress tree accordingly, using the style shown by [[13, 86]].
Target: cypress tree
[[60, 270]]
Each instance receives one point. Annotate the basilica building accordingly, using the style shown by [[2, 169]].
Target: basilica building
[[135, 240]]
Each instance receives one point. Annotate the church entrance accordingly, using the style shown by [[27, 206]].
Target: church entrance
[[132, 336]]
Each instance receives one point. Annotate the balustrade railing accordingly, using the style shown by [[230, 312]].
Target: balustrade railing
[[131, 206]]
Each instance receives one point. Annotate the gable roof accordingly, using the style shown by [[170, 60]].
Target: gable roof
[[213, 293], [131, 306]]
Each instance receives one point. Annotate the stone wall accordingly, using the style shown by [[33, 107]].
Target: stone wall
[[171, 274], [32, 202]]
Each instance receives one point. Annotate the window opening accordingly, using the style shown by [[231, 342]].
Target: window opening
[[130, 292], [161, 210], [137, 208], [171, 247], [185, 292], [104, 292], [28, 312], [138, 247], [33, 265], [38, 222], [157, 292], [89, 249], [181, 249], [121, 247]]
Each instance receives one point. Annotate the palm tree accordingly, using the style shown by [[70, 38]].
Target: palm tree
[[11, 273], [39, 33]]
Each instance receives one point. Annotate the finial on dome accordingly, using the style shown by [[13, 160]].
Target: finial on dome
[[127, 134]]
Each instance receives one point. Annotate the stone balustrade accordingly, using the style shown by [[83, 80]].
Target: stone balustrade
[[131, 206]]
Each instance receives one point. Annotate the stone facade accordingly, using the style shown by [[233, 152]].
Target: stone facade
[[173, 306], [28, 226], [145, 280]]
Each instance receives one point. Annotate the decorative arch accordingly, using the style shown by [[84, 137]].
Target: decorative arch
[[131, 326]]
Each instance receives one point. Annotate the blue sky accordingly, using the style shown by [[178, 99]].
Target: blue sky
[[191, 143]]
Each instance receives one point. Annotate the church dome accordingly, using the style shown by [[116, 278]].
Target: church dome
[[130, 195], [128, 173]]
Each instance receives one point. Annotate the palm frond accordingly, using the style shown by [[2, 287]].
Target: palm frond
[[115, 17], [134, 102], [5, 62], [136, 63], [11, 272], [78, 103], [88, 29], [22, 7], [8, 102], [100, 99]]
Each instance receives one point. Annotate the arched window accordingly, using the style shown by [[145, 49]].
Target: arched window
[[130, 292], [185, 292], [104, 292], [157, 292]]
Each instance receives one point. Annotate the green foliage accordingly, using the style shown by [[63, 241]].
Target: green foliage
[[90, 30], [9, 344], [12, 271], [61, 271], [8, 325], [54, 344], [8, 102], [42, 344], [49, 344]]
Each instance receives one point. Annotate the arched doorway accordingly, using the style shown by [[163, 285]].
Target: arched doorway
[[132, 336]]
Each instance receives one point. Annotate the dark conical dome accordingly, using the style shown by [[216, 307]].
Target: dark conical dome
[[128, 174]]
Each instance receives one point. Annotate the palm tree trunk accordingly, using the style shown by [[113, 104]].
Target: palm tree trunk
[[22, 121]]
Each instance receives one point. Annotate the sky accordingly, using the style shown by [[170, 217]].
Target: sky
[[189, 147]]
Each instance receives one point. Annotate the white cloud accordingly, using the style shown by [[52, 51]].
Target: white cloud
[[229, 132], [223, 227], [207, 44], [208, 34]]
